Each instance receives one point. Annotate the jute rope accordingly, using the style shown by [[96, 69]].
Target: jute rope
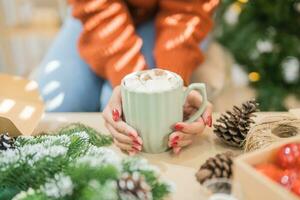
[[271, 129]]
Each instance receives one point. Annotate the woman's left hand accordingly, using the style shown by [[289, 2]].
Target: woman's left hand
[[185, 132]]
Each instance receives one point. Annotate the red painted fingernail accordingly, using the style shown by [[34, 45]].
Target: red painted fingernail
[[178, 127], [174, 144], [135, 142], [115, 115], [138, 140], [208, 121], [175, 139], [172, 140], [137, 147]]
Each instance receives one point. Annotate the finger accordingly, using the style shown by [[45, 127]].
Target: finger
[[115, 104], [207, 115], [173, 138], [188, 110], [181, 143], [191, 128], [177, 136], [176, 150], [132, 153], [119, 136], [111, 115], [124, 128], [184, 143], [194, 99], [122, 146], [128, 147], [106, 124], [136, 143]]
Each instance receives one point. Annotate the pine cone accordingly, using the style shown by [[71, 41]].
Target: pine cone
[[234, 126], [133, 186], [6, 142], [219, 166]]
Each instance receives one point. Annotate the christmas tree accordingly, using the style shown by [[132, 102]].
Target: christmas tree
[[264, 38]]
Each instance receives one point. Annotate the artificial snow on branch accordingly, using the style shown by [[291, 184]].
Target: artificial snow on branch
[[74, 164]]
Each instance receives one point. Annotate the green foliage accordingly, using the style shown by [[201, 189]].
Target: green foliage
[[23, 174], [8, 192], [96, 138], [159, 189], [278, 23], [37, 196], [96, 191], [87, 178], [100, 173], [70, 164]]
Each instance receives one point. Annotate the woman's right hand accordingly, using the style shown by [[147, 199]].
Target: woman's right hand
[[125, 137]]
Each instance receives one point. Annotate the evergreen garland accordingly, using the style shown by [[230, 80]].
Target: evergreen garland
[[71, 164], [263, 36]]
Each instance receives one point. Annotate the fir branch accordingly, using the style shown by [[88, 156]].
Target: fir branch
[[31, 194], [42, 167], [8, 192], [96, 138], [159, 189], [22, 175], [94, 190], [84, 173]]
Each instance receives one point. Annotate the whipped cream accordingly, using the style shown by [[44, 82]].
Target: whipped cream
[[155, 80]]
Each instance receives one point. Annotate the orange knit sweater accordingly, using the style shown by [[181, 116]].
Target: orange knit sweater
[[109, 44]]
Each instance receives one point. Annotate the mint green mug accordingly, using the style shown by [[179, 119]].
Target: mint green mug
[[153, 114]]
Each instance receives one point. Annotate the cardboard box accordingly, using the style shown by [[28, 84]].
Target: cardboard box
[[250, 184], [21, 106]]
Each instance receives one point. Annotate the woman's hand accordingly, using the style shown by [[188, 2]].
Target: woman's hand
[[185, 132], [125, 137]]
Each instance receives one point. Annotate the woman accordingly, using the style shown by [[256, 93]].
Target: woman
[[109, 48]]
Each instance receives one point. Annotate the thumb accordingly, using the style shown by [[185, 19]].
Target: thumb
[[194, 99], [115, 104]]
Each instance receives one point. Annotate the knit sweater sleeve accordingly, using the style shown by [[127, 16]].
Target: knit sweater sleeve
[[181, 25], [108, 42]]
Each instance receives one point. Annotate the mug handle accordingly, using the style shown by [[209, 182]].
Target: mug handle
[[199, 87]]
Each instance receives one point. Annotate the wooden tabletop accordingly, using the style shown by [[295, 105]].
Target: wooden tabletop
[[179, 169]]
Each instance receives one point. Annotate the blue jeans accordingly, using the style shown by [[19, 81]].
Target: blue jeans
[[65, 80]]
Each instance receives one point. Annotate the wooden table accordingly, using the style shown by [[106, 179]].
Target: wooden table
[[179, 169]]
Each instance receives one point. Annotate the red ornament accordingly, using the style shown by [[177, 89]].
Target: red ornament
[[296, 187], [288, 177], [288, 156], [270, 170]]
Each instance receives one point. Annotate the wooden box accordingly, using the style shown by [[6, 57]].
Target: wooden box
[[250, 184]]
